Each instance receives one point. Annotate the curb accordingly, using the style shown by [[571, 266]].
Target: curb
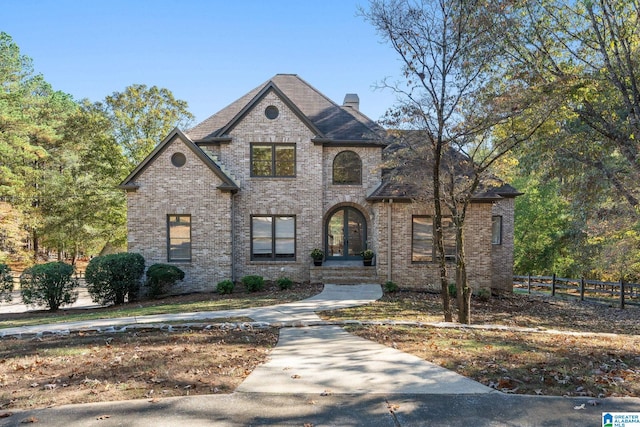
[[248, 326]]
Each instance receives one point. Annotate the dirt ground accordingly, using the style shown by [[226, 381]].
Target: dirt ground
[[151, 364]]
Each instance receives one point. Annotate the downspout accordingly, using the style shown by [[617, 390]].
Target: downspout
[[233, 239], [389, 236]]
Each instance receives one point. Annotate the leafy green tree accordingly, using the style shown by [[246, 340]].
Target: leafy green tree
[[82, 207], [541, 227], [31, 116], [50, 285], [142, 116], [588, 50]]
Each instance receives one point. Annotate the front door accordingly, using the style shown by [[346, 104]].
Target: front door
[[346, 234]]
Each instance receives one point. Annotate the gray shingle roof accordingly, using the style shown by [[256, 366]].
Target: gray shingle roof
[[406, 187], [332, 122]]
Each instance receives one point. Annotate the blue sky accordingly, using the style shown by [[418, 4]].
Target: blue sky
[[208, 53]]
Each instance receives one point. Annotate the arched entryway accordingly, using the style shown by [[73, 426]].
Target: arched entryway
[[345, 234]]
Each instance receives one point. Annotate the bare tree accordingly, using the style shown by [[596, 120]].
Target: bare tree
[[455, 96]]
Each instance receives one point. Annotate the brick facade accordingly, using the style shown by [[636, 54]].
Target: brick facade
[[221, 213], [165, 189]]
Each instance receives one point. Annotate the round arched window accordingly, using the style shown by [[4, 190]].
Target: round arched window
[[347, 168], [271, 112], [178, 160]]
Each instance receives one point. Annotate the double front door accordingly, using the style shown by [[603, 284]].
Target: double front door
[[346, 234]]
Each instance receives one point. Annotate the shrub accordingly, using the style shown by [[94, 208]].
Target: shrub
[[453, 291], [160, 277], [484, 295], [253, 283], [112, 278], [390, 287], [50, 285], [6, 283], [225, 287], [284, 283]]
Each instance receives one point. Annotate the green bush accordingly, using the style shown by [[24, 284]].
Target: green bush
[[483, 295], [453, 291], [284, 283], [253, 283], [225, 287], [6, 283], [160, 277], [50, 285], [390, 287], [113, 278]]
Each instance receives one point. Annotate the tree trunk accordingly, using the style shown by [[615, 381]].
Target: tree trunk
[[442, 266], [35, 245], [463, 290]]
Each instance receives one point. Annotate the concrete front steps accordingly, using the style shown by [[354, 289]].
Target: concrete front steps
[[344, 273]]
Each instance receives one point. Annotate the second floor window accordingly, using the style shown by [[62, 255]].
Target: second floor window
[[496, 230], [275, 160], [347, 168]]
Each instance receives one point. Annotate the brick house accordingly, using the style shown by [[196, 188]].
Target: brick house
[[282, 170]]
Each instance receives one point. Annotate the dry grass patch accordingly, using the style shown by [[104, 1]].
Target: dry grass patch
[[509, 310], [152, 364], [525, 363]]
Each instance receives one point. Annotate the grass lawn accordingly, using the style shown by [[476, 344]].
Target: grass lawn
[[176, 304], [151, 364]]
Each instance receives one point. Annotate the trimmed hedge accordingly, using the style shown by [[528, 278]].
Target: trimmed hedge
[[50, 285], [225, 287], [253, 283], [284, 283], [160, 277], [112, 279]]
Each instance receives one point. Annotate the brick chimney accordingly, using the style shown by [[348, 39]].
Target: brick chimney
[[352, 100]]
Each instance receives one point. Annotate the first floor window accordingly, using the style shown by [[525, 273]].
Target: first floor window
[[179, 238], [496, 230], [422, 242], [273, 237], [423, 248]]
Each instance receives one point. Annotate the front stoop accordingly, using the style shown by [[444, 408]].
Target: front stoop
[[343, 273]]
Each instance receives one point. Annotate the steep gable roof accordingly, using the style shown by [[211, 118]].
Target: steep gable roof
[[227, 183], [331, 122]]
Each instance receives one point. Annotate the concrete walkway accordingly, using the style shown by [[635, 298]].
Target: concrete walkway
[[321, 375]]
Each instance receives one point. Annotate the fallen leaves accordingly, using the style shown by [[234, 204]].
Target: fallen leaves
[[525, 363], [81, 368]]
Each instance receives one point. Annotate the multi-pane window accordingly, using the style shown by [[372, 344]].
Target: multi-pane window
[[179, 238], [496, 230], [347, 168], [273, 237], [423, 247], [422, 242], [276, 160]]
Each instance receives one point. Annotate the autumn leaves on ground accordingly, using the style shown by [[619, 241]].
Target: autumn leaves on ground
[[152, 364]]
